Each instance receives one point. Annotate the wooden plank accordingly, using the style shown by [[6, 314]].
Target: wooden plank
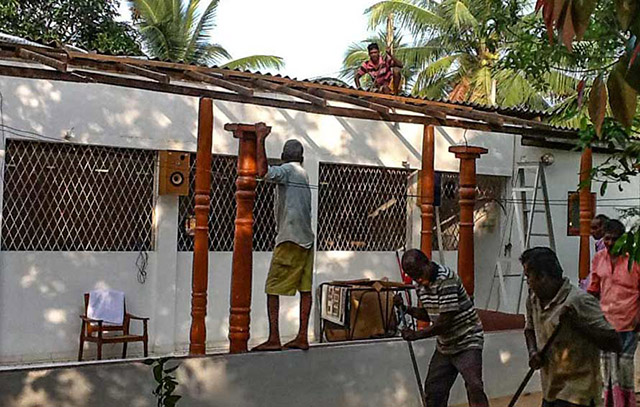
[[85, 76], [290, 91], [147, 73], [242, 90], [351, 100], [429, 111], [43, 59]]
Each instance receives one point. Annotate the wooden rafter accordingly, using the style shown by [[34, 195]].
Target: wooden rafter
[[43, 59], [275, 87], [382, 109], [146, 72], [223, 83], [231, 74], [90, 76]]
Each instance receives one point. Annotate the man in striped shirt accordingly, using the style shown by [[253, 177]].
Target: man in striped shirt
[[456, 326]]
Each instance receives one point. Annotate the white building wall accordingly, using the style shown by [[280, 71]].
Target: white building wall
[[41, 293]]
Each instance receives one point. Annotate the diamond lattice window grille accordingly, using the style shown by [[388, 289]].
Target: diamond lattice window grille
[[362, 208], [489, 190], [69, 197], [222, 210]]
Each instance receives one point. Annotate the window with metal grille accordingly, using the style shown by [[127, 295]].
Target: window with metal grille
[[362, 208], [69, 197], [222, 210], [489, 193]]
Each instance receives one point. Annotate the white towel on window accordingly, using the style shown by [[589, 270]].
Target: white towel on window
[[107, 305]]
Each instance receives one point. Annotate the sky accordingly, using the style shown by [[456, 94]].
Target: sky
[[311, 36]]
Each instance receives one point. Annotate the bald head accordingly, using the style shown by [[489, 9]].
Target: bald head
[[292, 151]]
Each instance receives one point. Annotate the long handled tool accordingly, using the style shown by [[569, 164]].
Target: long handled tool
[[403, 322], [543, 352], [416, 370]]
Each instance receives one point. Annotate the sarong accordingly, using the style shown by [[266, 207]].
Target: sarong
[[617, 373]]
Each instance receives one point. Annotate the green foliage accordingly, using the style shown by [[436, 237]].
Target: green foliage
[[458, 52], [166, 382], [174, 30], [89, 24]]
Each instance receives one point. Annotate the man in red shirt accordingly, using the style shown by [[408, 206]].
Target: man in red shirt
[[382, 71], [619, 291]]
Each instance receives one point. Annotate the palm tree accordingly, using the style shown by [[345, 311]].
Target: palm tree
[[174, 30], [457, 50]]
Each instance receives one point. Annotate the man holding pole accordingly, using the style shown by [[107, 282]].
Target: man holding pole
[[569, 326], [456, 326]]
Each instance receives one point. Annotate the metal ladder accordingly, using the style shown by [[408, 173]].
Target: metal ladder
[[525, 207]]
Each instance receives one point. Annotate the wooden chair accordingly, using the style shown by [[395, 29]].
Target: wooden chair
[[93, 330]]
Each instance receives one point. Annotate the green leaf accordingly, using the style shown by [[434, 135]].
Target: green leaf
[[157, 373], [171, 370], [171, 400], [256, 62], [148, 362], [620, 244], [625, 10], [603, 188], [598, 105], [623, 98]]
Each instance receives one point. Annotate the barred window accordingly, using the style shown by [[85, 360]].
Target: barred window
[[489, 193], [222, 211], [69, 197], [362, 208]]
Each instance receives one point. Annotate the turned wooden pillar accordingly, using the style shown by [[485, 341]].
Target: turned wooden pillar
[[242, 268], [200, 270], [467, 156], [427, 181], [586, 213]]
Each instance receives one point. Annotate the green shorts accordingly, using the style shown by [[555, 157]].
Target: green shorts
[[291, 270]]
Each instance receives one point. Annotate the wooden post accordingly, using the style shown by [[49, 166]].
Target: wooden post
[[427, 181], [586, 213], [242, 268], [467, 156], [200, 270]]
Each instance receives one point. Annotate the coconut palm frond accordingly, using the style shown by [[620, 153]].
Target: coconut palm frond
[[256, 62], [415, 19]]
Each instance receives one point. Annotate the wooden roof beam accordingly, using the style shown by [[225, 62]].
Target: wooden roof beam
[[275, 87], [222, 83], [382, 109], [438, 114], [147, 73], [43, 59]]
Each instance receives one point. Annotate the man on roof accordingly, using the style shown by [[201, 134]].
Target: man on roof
[[384, 71]]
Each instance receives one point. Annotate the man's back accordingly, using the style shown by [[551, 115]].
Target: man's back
[[293, 204]]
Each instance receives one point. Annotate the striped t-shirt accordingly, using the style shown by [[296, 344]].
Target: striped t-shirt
[[447, 294]]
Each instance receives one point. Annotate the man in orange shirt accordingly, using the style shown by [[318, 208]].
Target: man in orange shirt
[[618, 289]]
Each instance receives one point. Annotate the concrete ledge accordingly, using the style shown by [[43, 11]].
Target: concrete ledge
[[346, 374]]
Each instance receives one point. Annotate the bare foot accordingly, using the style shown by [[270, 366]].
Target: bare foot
[[268, 346], [297, 343]]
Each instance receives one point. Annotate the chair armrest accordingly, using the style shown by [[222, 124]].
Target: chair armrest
[[91, 321], [137, 318]]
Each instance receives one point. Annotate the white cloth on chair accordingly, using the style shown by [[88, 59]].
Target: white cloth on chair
[[107, 305]]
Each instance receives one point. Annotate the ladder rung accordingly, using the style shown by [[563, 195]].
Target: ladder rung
[[538, 235], [524, 189], [527, 164]]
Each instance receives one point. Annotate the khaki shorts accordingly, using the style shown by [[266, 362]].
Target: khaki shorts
[[291, 270]]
